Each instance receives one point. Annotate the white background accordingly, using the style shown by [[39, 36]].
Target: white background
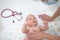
[[13, 31]]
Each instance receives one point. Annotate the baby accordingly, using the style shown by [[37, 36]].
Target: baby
[[31, 26]]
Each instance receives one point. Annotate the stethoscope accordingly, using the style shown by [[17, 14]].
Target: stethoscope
[[13, 13]]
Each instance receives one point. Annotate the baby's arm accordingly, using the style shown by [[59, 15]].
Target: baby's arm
[[45, 27], [24, 29]]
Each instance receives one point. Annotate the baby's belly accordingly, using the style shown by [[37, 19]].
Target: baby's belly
[[34, 30]]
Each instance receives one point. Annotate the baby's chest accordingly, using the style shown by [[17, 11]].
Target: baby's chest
[[35, 29]]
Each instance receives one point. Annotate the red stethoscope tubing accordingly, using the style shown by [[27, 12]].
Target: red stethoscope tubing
[[10, 15]]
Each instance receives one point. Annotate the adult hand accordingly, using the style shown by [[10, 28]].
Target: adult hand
[[45, 17], [38, 35]]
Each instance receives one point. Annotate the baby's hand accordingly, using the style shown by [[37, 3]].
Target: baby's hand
[[45, 22], [45, 27], [25, 24]]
